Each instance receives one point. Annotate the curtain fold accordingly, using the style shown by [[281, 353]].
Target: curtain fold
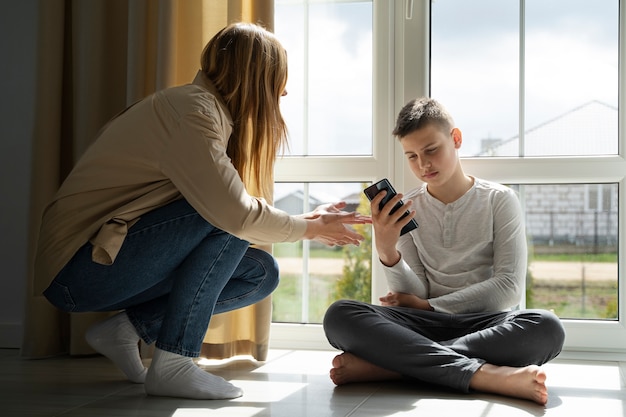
[[94, 58]]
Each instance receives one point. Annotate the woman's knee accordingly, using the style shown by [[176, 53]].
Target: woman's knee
[[59, 296], [267, 267]]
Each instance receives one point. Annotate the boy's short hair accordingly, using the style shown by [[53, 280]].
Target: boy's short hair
[[419, 113]]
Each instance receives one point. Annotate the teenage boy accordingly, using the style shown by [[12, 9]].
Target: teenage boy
[[450, 316]]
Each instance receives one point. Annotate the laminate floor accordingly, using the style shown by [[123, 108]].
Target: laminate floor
[[291, 383]]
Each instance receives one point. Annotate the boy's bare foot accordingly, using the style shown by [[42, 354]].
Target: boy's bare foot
[[528, 383], [350, 368]]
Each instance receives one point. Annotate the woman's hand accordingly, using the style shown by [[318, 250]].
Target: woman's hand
[[328, 224], [387, 226], [400, 299], [326, 208]]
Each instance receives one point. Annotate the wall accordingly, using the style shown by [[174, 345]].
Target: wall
[[18, 40]]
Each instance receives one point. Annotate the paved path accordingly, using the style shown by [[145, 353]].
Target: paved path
[[595, 271], [317, 266]]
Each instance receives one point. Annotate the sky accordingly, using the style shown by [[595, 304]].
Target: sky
[[570, 57], [339, 73]]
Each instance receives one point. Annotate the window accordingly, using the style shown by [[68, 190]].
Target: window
[[335, 148], [528, 78], [536, 88], [601, 197], [329, 103], [572, 262], [314, 275]]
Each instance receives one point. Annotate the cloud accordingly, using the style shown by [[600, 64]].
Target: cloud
[[571, 57], [338, 70]]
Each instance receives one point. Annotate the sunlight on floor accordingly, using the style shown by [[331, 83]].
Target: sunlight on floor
[[266, 391], [226, 411], [299, 362], [589, 406], [221, 362], [433, 406], [585, 376]]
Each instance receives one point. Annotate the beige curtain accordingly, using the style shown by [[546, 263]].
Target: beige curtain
[[95, 57]]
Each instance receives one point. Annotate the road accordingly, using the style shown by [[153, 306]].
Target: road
[[593, 271]]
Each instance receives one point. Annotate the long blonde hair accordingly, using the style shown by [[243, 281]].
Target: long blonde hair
[[248, 66]]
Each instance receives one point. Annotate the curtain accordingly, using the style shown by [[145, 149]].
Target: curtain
[[94, 58]]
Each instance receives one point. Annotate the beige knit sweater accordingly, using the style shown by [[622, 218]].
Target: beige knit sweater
[[168, 146]]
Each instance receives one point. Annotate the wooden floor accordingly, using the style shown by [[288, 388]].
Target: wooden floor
[[291, 383]]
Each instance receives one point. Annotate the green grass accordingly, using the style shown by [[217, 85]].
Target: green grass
[[576, 257], [568, 299], [287, 298], [565, 298]]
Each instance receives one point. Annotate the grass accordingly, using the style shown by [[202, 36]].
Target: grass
[[568, 257], [568, 299], [287, 298]]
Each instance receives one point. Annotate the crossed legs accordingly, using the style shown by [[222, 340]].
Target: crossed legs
[[466, 352]]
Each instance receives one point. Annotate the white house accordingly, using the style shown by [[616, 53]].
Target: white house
[[569, 214]]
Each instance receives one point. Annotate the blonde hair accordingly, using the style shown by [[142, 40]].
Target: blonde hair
[[248, 66]]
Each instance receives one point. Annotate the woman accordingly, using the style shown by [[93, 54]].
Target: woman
[[157, 217]]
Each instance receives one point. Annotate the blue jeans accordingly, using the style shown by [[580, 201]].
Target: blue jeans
[[173, 272], [446, 349]]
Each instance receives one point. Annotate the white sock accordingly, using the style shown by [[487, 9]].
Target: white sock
[[117, 339], [173, 375]]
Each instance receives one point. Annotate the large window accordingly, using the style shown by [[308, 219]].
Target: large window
[[572, 263], [329, 102], [541, 79], [529, 78], [332, 154], [314, 275], [535, 86]]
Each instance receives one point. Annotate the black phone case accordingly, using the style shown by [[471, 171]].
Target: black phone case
[[384, 184]]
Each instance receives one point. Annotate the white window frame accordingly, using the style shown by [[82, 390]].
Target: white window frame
[[401, 72], [381, 163]]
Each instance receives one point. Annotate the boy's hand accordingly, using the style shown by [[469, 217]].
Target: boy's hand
[[387, 226], [400, 299]]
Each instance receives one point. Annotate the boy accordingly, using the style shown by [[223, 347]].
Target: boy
[[453, 282]]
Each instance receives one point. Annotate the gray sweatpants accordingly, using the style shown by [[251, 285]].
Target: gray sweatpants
[[440, 348]]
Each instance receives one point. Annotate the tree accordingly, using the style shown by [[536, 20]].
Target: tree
[[356, 281]]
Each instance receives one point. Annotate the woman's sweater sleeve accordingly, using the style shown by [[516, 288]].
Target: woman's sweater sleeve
[[197, 164]]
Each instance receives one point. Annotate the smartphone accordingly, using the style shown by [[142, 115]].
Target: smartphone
[[384, 184]]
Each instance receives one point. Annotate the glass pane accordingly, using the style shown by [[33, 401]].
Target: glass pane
[[314, 275], [572, 233], [328, 108], [475, 68], [571, 77]]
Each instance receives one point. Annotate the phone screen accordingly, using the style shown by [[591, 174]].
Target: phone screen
[[384, 184]]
